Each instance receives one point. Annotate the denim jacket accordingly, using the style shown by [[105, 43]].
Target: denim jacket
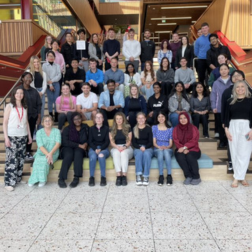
[[104, 99]]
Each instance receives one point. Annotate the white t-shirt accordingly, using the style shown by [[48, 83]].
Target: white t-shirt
[[87, 102]]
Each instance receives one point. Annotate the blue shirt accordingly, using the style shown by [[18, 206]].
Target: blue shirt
[[201, 46], [97, 76], [163, 137], [104, 99], [117, 76]]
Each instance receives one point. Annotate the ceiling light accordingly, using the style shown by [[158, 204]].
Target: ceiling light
[[184, 7], [171, 18], [167, 24], [163, 31], [193, 21]]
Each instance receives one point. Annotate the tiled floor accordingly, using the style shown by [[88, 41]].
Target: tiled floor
[[210, 217]]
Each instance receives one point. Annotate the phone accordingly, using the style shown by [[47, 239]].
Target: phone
[[247, 136]]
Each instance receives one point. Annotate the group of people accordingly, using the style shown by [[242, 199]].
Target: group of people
[[139, 104]]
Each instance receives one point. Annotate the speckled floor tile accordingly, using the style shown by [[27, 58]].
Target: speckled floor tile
[[20, 190], [15, 245], [83, 187], [235, 245], [123, 246], [186, 225], [22, 225], [124, 226], [186, 246], [126, 202], [240, 189], [244, 199], [217, 203], [229, 225], [83, 203], [61, 246], [171, 203], [7, 202], [50, 189], [77, 226], [130, 188], [176, 187]]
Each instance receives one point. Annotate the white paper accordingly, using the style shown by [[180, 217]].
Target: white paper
[[81, 45]]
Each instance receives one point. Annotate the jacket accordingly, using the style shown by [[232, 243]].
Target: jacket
[[68, 52], [173, 104], [92, 51], [99, 137], [147, 50], [82, 53], [215, 74], [213, 53], [142, 102], [188, 55], [44, 86], [53, 72], [104, 99]]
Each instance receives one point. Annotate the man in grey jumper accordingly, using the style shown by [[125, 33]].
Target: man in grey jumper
[[185, 75]]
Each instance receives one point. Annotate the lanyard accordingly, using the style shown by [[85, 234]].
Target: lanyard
[[20, 117]]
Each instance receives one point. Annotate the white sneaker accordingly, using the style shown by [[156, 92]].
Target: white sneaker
[[139, 180], [216, 135], [30, 185], [9, 188], [146, 181], [41, 184]]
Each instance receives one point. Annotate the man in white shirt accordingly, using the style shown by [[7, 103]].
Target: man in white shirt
[[87, 103], [131, 50]]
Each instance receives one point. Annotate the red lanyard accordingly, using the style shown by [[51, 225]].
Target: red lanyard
[[20, 117]]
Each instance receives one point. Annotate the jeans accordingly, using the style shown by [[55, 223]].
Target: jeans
[[62, 119], [143, 161], [173, 118], [102, 161], [161, 156], [52, 96]]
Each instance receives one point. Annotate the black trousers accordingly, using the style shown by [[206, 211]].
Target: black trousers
[[109, 115], [197, 119], [215, 124], [151, 120], [62, 118], [221, 131], [97, 90], [70, 155], [99, 66], [188, 163], [132, 118], [202, 68], [166, 88], [32, 124]]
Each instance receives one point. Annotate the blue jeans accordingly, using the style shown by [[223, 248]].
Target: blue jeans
[[143, 161], [161, 156], [43, 106], [102, 161], [52, 96], [173, 118]]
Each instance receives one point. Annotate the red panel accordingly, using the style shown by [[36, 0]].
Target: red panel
[[26, 8]]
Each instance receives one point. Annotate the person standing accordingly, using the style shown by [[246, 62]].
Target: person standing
[[165, 51], [82, 55], [174, 45], [111, 48], [16, 134], [68, 50], [202, 45], [147, 49], [238, 124], [48, 41], [131, 50], [59, 59]]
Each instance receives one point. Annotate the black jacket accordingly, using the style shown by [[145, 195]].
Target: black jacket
[[189, 54], [68, 52], [213, 53], [157, 104], [99, 137], [147, 50]]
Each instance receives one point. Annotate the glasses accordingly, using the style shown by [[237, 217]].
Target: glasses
[[236, 75], [99, 117]]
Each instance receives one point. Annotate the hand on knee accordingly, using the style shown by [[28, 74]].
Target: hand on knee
[[100, 155]]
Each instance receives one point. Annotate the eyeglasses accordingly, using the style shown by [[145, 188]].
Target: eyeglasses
[[237, 75]]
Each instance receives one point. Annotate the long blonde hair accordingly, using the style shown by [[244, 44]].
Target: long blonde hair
[[32, 69], [136, 129], [235, 97], [46, 44], [138, 92], [70, 97], [125, 126]]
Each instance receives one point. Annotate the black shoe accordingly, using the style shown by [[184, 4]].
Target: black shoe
[[91, 181], [230, 166], [103, 181], [75, 182], [62, 183], [169, 180], [51, 114], [222, 145], [118, 181], [56, 117], [124, 181], [161, 180]]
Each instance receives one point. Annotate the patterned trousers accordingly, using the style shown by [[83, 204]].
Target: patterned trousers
[[14, 161]]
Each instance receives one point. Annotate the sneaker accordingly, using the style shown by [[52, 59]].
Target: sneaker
[[41, 184], [206, 137], [62, 183], [124, 181], [74, 183], [146, 181], [216, 135], [118, 181], [230, 166], [91, 181], [161, 180], [169, 180], [31, 185], [28, 156], [103, 181], [9, 188], [139, 180], [187, 181], [195, 181]]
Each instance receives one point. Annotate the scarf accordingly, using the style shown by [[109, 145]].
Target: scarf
[[185, 132]]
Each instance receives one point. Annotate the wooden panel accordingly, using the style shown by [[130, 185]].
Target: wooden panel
[[97, 4], [131, 7]]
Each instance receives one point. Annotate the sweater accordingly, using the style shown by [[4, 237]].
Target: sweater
[[142, 103], [165, 76], [201, 46], [99, 137], [215, 74], [131, 48], [198, 105], [97, 76], [111, 46], [145, 138], [147, 50], [174, 48], [185, 75]]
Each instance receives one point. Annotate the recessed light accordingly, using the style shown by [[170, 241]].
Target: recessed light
[[170, 18], [167, 24], [154, 8], [184, 7], [163, 31], [193, 21]]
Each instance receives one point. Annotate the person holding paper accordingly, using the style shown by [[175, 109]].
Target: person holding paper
[[82, 54]]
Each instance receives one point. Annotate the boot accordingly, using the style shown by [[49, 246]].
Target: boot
[[56, 117]]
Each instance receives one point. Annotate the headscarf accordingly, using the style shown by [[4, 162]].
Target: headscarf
[[185, 132], [73, 133]]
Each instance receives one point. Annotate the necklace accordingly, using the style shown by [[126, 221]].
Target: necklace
[[240, 99]]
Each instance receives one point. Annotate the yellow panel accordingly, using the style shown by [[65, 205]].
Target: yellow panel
[[131, 7]]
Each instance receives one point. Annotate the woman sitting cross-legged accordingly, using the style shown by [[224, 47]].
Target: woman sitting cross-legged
[[65, 105], [186, 137], [120, 140], [162, 141], [142, 141], [98, 142], [134, 103], [74, 149], [48, 142]]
